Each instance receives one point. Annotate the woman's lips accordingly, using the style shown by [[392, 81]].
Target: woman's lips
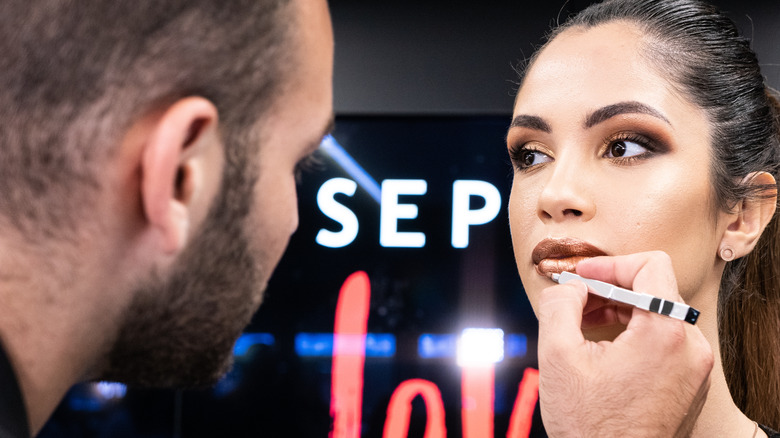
[[549, 266], [557, 255]]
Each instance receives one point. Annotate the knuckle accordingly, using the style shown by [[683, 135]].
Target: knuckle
[[689, 343], [705, 354], [677, 334]]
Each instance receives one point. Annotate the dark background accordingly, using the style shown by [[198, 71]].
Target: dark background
[[423, 89], [445, 57]]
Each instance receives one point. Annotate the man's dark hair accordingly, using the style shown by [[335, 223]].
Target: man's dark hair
[[74, 75]]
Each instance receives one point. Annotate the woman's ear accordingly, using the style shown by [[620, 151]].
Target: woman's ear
[[181, 168], [751, 215]]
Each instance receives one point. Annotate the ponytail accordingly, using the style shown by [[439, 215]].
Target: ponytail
[[749, 322]]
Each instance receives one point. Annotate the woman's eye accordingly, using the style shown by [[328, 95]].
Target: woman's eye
[[624, 149], [528, 158]]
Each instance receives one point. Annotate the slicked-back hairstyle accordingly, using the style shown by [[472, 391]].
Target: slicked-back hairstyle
[[74, 75], [700, 50]]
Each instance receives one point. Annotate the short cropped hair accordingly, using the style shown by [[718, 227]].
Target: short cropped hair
[[74, 75]]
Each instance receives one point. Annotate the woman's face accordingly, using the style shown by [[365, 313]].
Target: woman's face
[[609, 159]]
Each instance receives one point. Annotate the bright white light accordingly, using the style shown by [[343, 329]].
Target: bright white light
[[480, 347], [110, 390]]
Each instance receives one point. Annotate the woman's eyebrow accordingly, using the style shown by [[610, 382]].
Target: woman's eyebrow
[[609, 111], [530, 122]]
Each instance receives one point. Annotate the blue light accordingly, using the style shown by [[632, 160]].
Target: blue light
[[353, 169], [436, 346], [321, 344], [229, 382], [111, 390], [247, 340], [380, 345], [84, 404], [516, 345], [95, 396], [314, 344]]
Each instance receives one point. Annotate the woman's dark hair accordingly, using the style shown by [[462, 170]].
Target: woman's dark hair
[[701, 51]]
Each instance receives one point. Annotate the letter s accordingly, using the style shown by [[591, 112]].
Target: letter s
[[338, 212]]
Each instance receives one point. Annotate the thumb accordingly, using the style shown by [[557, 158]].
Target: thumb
[[560, 317]]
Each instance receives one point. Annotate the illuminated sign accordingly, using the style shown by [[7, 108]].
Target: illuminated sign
[[429, 230], [392, 210], [478, 351]]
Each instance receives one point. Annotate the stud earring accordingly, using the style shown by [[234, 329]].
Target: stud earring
[[727, 254]]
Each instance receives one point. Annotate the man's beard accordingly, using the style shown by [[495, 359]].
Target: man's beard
[[179, 331]]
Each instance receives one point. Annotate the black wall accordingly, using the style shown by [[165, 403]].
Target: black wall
[[445, 57]]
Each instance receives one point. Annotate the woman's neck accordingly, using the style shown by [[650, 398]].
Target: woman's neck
[[719, 417]]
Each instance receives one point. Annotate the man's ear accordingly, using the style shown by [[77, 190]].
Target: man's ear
[[181, 167], [751, 215]]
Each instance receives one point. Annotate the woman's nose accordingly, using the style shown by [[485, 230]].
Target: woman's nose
[[567, 194]]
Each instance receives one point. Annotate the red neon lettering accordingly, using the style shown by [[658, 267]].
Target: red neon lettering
[[349, 354], [525, 403], [477, 382], [477, 386], [400, 409]]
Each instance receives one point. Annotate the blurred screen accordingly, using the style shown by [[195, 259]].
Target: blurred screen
[[404, 251]]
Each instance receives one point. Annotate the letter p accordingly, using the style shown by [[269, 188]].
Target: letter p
[[463, 216]]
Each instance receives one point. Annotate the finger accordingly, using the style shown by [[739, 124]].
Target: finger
[[560, 315], [663, 337], [646, 272]]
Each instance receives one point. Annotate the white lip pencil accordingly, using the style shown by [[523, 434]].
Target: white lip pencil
[[647, 302]]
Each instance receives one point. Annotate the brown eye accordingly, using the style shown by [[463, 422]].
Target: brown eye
[[528, 158], [626, 149], [618, 149]]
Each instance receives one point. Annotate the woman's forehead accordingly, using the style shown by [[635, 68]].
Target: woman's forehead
[[606, 52], [595, 67], [586, 71]]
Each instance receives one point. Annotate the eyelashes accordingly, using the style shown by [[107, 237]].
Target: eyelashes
[[630, 141], [622, 149], [527, 156], [309, 164]]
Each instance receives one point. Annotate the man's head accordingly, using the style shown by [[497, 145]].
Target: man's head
[[160, 140]]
